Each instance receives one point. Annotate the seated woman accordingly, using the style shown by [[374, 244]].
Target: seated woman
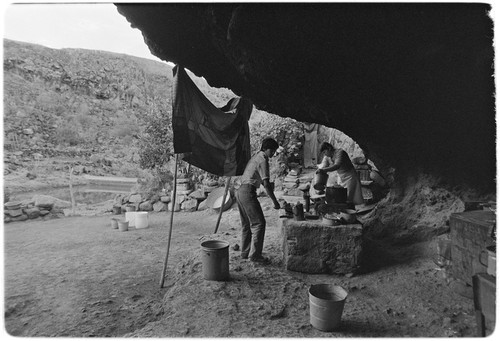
[[338, 166]]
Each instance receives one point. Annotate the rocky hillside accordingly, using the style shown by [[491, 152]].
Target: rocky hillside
[[81, 108]]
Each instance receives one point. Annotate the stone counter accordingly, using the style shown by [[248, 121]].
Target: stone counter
[[313, 247]]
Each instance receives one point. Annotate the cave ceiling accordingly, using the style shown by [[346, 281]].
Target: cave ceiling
[[411, 83]]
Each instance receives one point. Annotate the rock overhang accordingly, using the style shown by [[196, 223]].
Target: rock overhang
[[411, 83]]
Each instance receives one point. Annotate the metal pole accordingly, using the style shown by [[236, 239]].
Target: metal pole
[[223, 203], [162, 280]]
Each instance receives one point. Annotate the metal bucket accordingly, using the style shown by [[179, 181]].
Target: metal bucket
[[326, 304], [123, 226], [215, 260]]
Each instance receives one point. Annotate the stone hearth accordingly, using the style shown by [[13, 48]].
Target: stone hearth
[[314, 247]]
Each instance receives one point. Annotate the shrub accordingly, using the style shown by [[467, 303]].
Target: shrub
[[67, 134], [155, 145]]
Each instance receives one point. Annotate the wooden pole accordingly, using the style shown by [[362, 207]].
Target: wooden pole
[[223, 203], [73, 205], [162, 280]]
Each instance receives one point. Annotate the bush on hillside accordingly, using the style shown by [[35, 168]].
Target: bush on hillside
[[156, 142], [67, 134]]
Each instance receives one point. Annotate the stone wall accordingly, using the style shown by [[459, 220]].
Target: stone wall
[[40, 206]]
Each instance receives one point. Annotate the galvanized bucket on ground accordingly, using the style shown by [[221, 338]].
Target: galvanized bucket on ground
[[326, 304], [123, 226], [215, 260]]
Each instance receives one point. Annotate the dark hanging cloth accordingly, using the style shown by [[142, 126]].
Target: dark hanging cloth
[[216, 140]]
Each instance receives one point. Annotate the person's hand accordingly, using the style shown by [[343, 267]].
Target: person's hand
[[319, 171]]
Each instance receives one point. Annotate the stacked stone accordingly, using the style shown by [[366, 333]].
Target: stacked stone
[[137, 202], [291, 180], [21, 211], [182, 200], [296, 179], [364, 169], [186, 200], [209, 185]]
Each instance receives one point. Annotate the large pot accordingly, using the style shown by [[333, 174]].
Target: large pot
[[320, 179]]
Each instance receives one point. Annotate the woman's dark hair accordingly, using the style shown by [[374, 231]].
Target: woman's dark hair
[[269, 143], [325, 146]]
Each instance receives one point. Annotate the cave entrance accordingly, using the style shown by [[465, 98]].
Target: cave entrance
[[302, 155]]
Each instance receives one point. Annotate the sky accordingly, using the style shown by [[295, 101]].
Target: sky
[[96, 26]]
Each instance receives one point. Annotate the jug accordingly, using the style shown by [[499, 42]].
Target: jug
[[298, 212]]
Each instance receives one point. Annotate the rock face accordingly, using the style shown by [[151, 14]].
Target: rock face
[[411, 83]]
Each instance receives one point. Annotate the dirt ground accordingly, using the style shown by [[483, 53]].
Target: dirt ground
[[78, 277]]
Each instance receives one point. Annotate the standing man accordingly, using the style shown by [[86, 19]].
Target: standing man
[[252, 218]]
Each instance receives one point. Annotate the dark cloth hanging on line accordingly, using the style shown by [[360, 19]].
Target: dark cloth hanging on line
[[216, 140]]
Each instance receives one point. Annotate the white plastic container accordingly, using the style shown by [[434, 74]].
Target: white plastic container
[[141, 220], [130, 217]]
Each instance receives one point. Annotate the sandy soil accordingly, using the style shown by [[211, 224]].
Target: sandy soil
[[78, 277]]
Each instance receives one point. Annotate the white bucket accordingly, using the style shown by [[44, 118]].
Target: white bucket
[[130, 217], [141, 220]]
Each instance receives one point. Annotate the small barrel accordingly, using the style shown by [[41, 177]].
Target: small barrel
[[326, 304], [215, 260]]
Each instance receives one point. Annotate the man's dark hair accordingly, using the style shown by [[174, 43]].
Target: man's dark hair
[[325, 146], [269, 143]]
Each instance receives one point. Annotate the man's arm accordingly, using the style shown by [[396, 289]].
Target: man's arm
[[329, 168], [270, 193]]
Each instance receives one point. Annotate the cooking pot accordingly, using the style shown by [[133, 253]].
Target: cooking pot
[[320, 179]]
